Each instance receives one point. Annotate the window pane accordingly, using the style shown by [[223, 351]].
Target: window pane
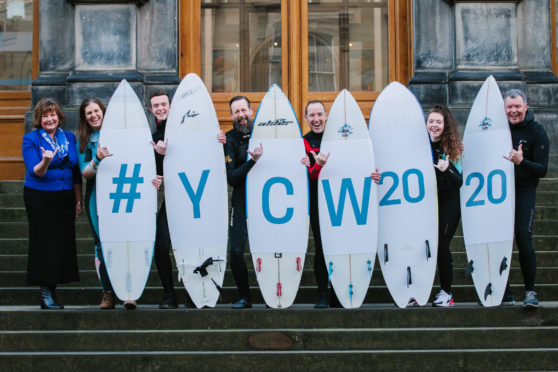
[[16, 44], [241, 45], [347, 45]]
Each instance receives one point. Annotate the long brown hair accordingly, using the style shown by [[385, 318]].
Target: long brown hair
[[44, 106], [84, 129], [451, 142]]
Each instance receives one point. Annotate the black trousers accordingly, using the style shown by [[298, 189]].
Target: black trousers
[[238, 235], [524, 215], [162, 250], [448, 219]]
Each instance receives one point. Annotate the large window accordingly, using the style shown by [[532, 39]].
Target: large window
[[347, 45], [16, 44], [311, 48], [241, 45]]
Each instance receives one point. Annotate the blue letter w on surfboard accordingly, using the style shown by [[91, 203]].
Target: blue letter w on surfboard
[[265, 200], [195, 197], [347, 186]]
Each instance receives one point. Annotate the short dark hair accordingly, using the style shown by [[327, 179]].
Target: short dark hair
[[513, 93], [157, 93], [312, 102], [44, 106], [238, 98]]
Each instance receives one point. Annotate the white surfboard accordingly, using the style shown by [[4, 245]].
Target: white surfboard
[[277, 201], [126, 199], [488, 194], [347, 202], [408, 215], [196, 192]]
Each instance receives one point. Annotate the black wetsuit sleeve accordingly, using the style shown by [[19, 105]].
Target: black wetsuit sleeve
[[237, 168], [539, 165], [453, 176]]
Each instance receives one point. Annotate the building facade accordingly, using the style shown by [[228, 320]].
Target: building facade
[[443, 50]]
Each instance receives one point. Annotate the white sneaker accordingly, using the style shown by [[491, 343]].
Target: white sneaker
[[443, 299], [412, 302]]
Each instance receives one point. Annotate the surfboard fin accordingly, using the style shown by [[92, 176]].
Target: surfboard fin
[[202, 269], [129, 281], [503, 265], [298, 262], [409, 277], [279, 291], [469, 269], [369, 267], [488, 291], [428, 254], [351, 291], [329, 271], [385, 253], [219, 289]]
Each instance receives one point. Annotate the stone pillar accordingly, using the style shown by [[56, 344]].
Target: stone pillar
[[88, 46]]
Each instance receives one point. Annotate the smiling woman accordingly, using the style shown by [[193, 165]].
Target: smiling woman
[[52, 196]]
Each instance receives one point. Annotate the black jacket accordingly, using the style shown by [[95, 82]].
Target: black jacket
[[159, 135], [449, 181], [237, 165], [532, 136]]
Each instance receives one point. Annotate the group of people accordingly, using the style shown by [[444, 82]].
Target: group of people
[[53, 197]]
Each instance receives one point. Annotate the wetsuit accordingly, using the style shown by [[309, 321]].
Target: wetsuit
[[162, 236], [238, 167], [312, 142], [88, 163], [534, 140], [448, 184]]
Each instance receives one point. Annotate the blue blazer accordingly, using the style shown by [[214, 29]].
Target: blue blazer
[[59, 175]]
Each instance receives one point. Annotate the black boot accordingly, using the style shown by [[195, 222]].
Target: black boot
[[323, 302], [48, 298], [169, 301]]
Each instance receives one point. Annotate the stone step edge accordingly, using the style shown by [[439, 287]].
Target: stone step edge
[[265, 352]]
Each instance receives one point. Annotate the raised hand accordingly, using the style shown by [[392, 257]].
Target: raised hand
[[376, 176], [321, 158], [515, 157], [157, 182], [257, 153], [221, 137], [48, 155], [443, 164], [160, 147], [102, 152], [306, 161]]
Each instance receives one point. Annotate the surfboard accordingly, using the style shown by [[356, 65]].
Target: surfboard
[[277, 206], [408, 215], [347, 202], [126, 199], [488, 194], [196, 192]]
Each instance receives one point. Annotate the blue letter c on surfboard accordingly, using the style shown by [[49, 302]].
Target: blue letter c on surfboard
[[265, 200]]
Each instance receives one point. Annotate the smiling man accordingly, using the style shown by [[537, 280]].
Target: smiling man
[[238, 166], [530, 157]]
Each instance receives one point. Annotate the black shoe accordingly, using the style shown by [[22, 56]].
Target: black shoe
[[508, 300], [48, 298], [242, 304], [169, 301]]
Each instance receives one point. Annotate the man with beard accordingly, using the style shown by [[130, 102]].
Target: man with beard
[[238, 167], [159, 105], [530, 157]]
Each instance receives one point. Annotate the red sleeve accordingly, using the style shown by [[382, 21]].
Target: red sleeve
[[314, 170]]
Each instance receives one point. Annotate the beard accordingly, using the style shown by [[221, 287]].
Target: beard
[[243, 128]]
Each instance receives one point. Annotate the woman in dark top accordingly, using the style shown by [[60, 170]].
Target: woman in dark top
[[52, 196], [446, 152]]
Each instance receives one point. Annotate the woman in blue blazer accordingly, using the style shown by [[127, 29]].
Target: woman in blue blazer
[[52, 196]]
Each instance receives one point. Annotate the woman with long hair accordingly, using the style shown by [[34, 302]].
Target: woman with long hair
[[446, 152]]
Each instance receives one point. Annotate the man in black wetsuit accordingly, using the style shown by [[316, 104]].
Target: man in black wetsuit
[[238, 166], [316, 116], [530, 156]]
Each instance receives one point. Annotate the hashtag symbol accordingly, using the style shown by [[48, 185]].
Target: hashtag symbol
[[122, 180]]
